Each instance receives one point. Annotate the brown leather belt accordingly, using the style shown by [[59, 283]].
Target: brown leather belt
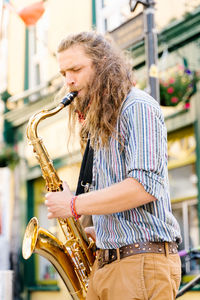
[[106, 256]]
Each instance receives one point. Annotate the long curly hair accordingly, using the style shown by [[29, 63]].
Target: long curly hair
[[112, 82]]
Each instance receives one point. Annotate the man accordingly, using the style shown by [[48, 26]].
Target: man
[[129, 193]]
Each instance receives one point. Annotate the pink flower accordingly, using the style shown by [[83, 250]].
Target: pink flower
[[171, 80], [170, 90], [174, 99], [165, 84], [180, 67], [187, 105]]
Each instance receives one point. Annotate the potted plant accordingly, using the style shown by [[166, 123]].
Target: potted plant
[[177, 85]]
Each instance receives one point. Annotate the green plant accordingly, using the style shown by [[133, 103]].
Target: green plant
[[8, 157], [178, 85]]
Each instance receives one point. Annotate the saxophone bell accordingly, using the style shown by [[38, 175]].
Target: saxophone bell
[[30, 238], [39, 240]]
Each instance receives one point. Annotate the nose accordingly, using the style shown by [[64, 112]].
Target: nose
[[69, 79]]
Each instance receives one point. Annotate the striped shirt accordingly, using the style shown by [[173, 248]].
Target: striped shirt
[[144, 157]]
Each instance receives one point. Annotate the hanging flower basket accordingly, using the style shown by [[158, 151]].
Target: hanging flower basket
[[8, 157], [178, 85]]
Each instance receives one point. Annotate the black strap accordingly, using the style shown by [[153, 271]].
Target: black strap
[[85, 176]]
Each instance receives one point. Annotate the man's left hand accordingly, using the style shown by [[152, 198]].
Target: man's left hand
[[58, 203]]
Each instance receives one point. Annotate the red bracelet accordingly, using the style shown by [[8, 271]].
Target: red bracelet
[[73, 209]]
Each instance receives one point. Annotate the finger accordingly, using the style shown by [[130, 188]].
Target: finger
[[90, 232], [65, 186], [46, 202], [50, 215], [89, 229], [47, 195]]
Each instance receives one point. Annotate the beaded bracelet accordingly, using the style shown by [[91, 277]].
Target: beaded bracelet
[[73, 209]]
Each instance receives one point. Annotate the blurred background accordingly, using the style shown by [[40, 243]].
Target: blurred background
[[165, 55]]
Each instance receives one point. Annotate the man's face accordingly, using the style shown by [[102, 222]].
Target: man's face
[[78, 72]]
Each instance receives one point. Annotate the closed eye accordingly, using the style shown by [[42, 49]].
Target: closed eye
[[76, 70], [62, 73]]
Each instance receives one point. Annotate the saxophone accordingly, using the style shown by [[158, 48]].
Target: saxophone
[[74, 258]]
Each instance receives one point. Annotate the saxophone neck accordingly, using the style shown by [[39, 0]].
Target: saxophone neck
[[37, 118], [45, 113]]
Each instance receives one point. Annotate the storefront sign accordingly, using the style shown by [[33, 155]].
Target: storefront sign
[[129, 32]]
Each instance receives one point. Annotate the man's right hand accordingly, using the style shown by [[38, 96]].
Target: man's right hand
[[91, 232]]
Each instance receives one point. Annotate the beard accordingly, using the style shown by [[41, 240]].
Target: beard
[[82, 103]]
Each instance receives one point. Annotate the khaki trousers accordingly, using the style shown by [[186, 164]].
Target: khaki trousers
[[145, 276]]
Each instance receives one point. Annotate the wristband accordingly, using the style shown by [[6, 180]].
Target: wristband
[[73, 209]]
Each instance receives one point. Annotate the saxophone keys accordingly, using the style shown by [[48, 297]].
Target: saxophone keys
[[70, 242]]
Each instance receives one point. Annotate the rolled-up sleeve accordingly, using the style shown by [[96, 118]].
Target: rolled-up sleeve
[[145, 147]]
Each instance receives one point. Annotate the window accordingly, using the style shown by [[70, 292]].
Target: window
[[111, 14], [0, 215], [183, 182], [5, 213], [4, 18], [183, 190], [186, 214], [38, 53]]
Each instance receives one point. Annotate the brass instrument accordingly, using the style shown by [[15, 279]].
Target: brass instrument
[[73, 259]]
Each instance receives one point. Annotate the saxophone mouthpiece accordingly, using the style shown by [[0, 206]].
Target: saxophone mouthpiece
[[69, 98]]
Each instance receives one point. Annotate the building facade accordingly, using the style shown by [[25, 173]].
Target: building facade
[[178, 54], [31, 32], [32, 84]]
